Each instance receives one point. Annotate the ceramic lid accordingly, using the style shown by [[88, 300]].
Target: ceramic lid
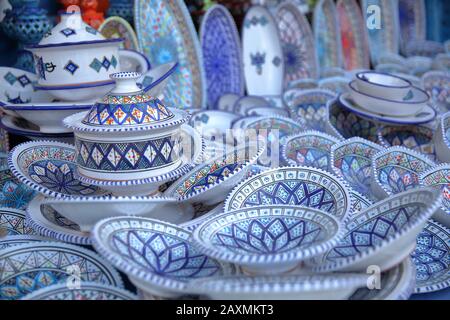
[[127, 105]]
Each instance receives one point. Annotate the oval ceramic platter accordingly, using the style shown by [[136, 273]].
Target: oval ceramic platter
[[117, 27], [222, 55], [381, 18], [166, 33], [297, 41], [412, 15], [262, 52], [326, 35], [355, 46]]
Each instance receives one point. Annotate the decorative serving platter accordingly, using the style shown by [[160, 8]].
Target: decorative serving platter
[[117, 27]]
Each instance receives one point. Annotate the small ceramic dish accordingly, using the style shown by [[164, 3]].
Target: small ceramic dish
[[227, 101], [268, 239], [305, 186], [212, 123], [210, 182], [442, 138], [247, 102], [12, 222], [86, 291], [309, 148], [397, 283], [13, 193], [337, 85], [397, 169], [417, 138], [280, 287], [49, 168], [413, 103], [309, 106], [432, 258], [50, 263], [383, 235], [157, 257], [382, 85], [352, 160], [155, 80], [17, 240]]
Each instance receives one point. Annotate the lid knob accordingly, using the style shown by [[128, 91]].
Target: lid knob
[[125, 82]]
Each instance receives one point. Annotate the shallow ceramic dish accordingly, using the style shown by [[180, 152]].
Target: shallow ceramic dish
[[87, 291], [382, 235], [268, 239], [383, 85], [157, 257], [16, 240], [432, 258], [245, 103], [13, 193], [397, 169], [154, 81], [12, 222], [305, 186], [281, 287], [412, 104], [351, 159], [309, 148], [210, 182], [309, 106], [49, 168], [40, 271]]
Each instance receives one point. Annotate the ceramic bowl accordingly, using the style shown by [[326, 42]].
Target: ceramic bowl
[[133, 61], [337, 85], [41, 271], [384, 234], [309, 106], [268, 239], [418, 138], [210, 182], [17, 240], [279, 287], [397, 169], [155, 80], [13, 193], [157, 257], [247, 102], [227, 101], [305, 186], [432, 258], [351, 159], [359, 202], [87, 291], [411, 104], [49, 167], [437, 85], [309, 148], [242, 122], [438, 177], [212, 123], [442, 138], [382, 85], [12, 223], [415, 81], [303, 84]]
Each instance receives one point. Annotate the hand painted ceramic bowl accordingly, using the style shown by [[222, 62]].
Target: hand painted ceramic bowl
[[384, 234], [418, 138], [382, 85], [437, 85], [432, 258], [309, 148], [13, 193], [157, 257], [227, 101], [155, 80], [268, 239], [12, 223], [49, 168], [212, 123], [42, 271], [442, 138], [309, 106], [247, 102], [397, 169], [17, 240], [352, 160], [337, 85], [210, 182], [411, 104], [305, 186], [279, 287], [438, 177], [359, 202], [87, 291]]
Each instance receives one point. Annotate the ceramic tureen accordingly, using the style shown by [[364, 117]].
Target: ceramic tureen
[[129, 142]]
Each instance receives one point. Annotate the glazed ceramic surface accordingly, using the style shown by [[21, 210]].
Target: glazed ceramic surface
[[12, 222], [226, 102], [154, 81], [263, 53], [359, 202], [309, 148], [117, 27], [397, 169], [412, 16], [437, 85], [222, 54], [245, 103], [355, 46], [432, 258], [47, 263], [337, 85], [297, 42], [308, 105], [87, 291], [442, 138], [212, 123], [157, 257], [268, 239], [304, 186], [383, 85], [383, 234], [17, 240], [172, 38], [351, 160], [13, 193], [327, 35]]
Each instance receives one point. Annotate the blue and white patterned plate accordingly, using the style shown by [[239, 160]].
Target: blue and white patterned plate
[[12, 222], [359, 202], [13, 193], [29, 267], [15, 240], [222, 54]]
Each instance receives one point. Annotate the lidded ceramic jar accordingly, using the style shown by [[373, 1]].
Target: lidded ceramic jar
[[129, 136]]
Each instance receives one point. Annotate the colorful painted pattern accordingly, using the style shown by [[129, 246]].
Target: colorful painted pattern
[[14, 194], [437, 85], [117, 27], [12, 221], [439, 178], [55, 218]]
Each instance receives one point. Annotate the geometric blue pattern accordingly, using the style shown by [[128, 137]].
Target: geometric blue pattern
[[71, 67], [68, 32], [11, 79], [14, 194], [105, 63]]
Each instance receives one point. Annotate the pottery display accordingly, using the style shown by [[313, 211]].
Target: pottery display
[[383, 85], [12, 222]]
